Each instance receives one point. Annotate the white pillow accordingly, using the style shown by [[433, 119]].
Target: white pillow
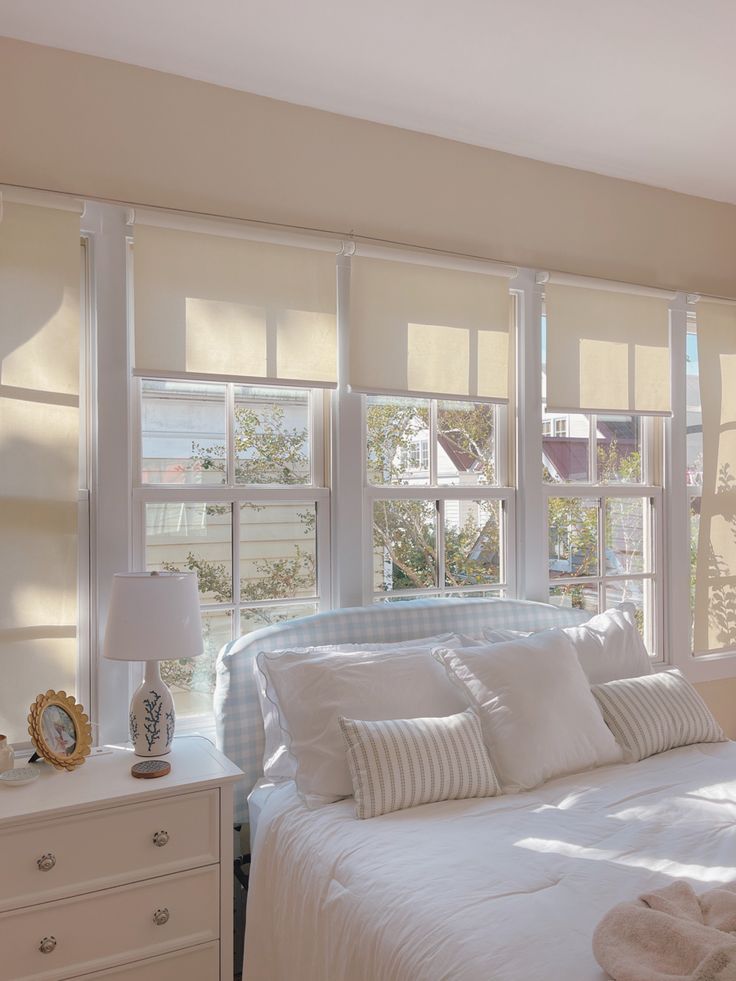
[[610, 647], [538, 715], [405, 762], [497, 635], [313, 692], [649, 715], [277, 763]]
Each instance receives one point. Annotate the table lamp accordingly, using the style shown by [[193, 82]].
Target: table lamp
[[154, 616]]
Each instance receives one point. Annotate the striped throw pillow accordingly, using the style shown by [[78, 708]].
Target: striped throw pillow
[[655, 713], [404, 762]]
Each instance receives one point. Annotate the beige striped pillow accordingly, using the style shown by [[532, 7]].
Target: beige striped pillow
[[404, 762], [655, 713]]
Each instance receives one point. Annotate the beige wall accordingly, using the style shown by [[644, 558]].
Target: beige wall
[[721, 699], [90, 126]]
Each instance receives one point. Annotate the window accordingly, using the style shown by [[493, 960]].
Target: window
[[416, 456], [441, 532], [44, 640], [711, 474], [603, 505], [229, 488], [230, 473]]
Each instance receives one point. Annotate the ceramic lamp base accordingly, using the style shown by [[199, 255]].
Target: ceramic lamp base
[[152, 715]]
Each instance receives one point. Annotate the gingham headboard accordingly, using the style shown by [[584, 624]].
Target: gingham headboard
[[237, 712]]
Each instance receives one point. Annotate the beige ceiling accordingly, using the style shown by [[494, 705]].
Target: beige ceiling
[[642, 89]]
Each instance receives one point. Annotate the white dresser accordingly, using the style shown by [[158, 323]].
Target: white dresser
[[106, 876]]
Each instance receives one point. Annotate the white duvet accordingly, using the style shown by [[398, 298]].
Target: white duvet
[[502, 889]]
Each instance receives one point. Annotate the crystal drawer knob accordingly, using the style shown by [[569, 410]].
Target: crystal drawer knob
[[161, 838], [46, 862], [161, 916], [47, 945]]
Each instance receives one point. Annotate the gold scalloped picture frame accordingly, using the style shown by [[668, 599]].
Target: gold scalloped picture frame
[[59, 730]]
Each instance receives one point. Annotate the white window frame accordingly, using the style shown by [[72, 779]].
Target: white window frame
[[653, 547], [438, 495], [232, 493], [697, 667]]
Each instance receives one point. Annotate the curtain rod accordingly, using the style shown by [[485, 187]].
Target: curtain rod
[[350, 236]]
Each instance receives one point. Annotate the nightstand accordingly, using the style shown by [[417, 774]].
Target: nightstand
[[109, 877]]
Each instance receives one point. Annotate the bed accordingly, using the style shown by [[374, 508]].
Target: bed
[[507, 888]]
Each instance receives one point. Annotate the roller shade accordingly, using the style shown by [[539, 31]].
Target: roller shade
[[39, 446], [607, 351], [213, 305], [715, 578], [428, 331]]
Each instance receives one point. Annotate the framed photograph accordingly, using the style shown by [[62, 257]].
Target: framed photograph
[[60, 730]]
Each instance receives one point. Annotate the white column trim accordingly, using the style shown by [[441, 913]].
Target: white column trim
[[111, 510], [347, 465], [531, 514]]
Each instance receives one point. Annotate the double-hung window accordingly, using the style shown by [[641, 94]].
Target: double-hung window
[[442, 530], [711, 474], [234, 346], [430, 349], [44, 500], [603, 477]]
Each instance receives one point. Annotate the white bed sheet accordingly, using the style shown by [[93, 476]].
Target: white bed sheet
[[504, 889], [257, 799]]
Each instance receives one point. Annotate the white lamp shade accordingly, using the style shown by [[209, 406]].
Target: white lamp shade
[[153, 617]]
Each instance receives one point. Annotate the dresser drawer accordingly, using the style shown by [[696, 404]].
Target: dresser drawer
[[104, 929], [191, 964], [83, 852]]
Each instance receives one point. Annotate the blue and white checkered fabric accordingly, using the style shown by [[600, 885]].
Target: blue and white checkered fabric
[[237, 712]]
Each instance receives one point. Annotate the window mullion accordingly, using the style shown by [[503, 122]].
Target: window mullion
[[230, 475], [593, 448], [235, 549], [602, 563], [433, 439], [440, 540]]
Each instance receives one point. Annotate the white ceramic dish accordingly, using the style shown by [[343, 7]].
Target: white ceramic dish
[[19, 776]]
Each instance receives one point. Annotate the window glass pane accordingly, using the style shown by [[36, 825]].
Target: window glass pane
[[694, 414], [576, 596], [694, 531], [472, 543], [573, 537], [182, 432], [272, 436], [636, 591], [192, 537], [626, 548], [278, 551], [466, 441], [618, 441], [192, 680], [254, 618], [565, 450], [397, 437], [404, 545]]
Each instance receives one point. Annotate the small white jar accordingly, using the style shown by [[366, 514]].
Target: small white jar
[[7, 755]]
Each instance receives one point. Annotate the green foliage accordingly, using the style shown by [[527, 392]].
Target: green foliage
[[267, 451]]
